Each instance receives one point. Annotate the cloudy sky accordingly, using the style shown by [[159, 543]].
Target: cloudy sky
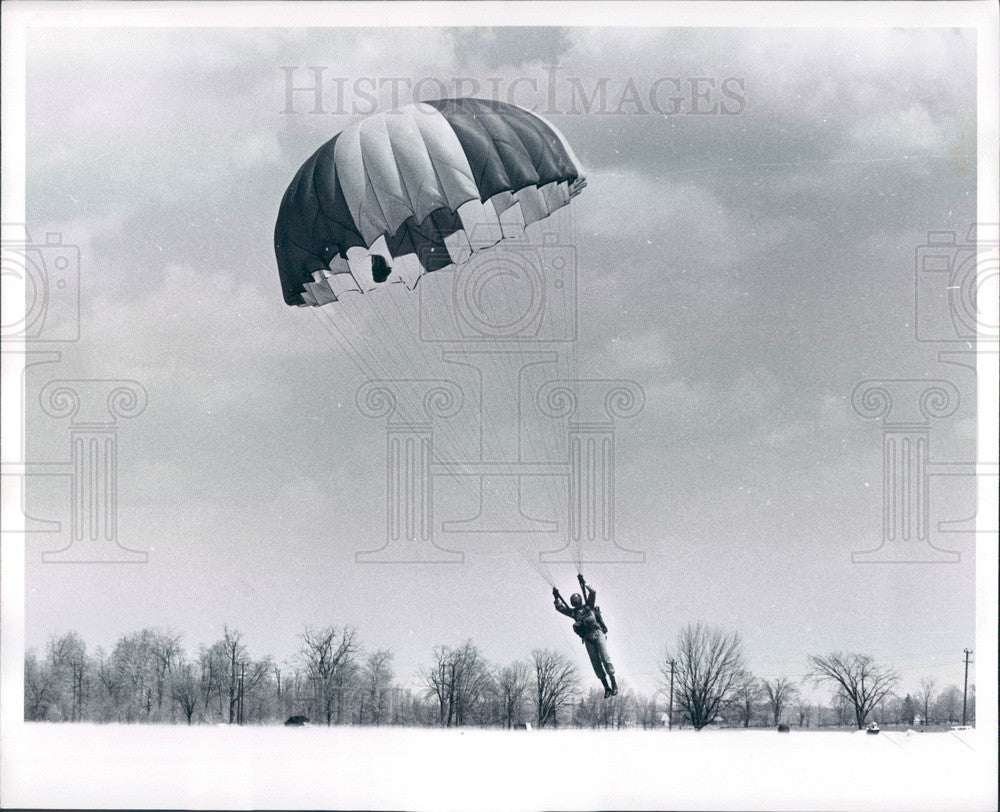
[[747, 267]]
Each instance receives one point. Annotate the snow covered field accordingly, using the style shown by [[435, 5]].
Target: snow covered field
[[224, 767]]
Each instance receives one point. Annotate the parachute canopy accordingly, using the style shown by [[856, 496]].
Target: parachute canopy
[[403, 193]]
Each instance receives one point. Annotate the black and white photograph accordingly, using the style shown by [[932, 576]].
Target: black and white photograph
[[500, 406]]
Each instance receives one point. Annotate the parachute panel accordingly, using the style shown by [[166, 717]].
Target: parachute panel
[[433, 182]]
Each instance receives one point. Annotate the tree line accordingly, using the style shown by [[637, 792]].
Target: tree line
[[333, 680]]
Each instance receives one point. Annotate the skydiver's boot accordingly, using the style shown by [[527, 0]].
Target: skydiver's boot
[[607, 690], [614, 685]]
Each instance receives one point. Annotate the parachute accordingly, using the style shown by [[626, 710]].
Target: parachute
[[419, 189], [425, 189]]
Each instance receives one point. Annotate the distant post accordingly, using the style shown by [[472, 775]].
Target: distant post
[[670, 710], [965, 690]]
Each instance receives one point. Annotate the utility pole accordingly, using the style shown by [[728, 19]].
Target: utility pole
[[965, 691], [670, 712], [239, 701]]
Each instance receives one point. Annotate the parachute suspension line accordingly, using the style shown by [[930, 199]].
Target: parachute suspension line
[[399, 353], [424, 357], [575, 540], [539, 428], [367, 364], [542, 427], [381, 173], [359, 359], [511, 383], [333, 329], [455, 461], [491, 443], [529, 419]]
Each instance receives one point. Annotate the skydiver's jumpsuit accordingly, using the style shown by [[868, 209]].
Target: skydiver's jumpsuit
[[586, 626]]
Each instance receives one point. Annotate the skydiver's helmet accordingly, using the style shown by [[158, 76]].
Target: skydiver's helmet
[[576, 600]]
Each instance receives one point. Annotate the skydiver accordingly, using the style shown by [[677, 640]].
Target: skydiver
[[589, 626]]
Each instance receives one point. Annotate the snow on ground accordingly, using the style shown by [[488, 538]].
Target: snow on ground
[[316, 767]]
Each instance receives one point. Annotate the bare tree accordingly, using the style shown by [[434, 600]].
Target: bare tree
[[841, 709], [459, 680], [40, 688], [408, 708], [621, 707], [708, 663], [948, 708], [440, 684], [804, 711], [858, 678], [329, 658], [597, 711], [255, 690], [130, 678], [556, 680], [166, 653], [906, 711], [221, 666], [184, 690], [591, 711], [747, 693], [927, 686], [105, 686], [647, 711], [235, 653], [377, 679], [511, 685], [69, 664], [213, 668], [780, 692]]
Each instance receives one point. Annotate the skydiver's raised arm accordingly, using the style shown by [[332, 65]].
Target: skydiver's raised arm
[[563, 609], [560, 604], [589, 593]]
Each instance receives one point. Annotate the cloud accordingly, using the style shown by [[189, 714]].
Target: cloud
[[746, 270]]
